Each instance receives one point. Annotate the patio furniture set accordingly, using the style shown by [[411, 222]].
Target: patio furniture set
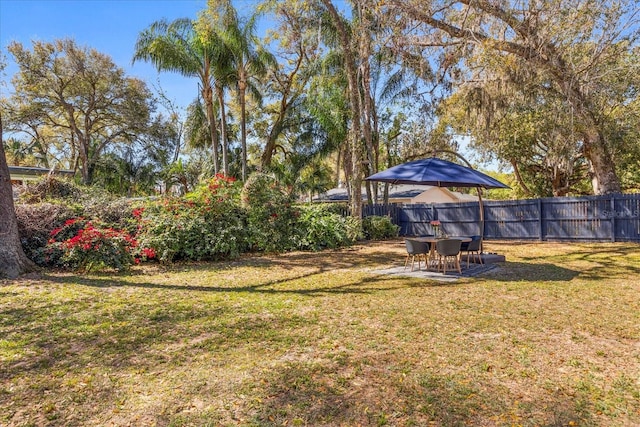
[[442, 254]]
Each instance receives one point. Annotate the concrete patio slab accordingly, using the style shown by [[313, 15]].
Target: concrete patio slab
[[451, 276]]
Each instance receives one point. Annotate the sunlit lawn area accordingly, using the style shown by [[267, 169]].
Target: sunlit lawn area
[[550, 338]]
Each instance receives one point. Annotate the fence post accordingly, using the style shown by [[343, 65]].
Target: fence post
[[540, 220], [613, 218]]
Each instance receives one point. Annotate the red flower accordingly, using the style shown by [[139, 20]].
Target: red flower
[[149, 253], [55, 231], [138, 212]]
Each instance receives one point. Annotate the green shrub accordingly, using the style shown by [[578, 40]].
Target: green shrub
[[207, 224], [379, 227], [271, 216], [88, 202], [87, 245], [320, 228], [354, 229], [88, 229]]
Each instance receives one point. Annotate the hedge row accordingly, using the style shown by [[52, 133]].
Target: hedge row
[[62, 225]]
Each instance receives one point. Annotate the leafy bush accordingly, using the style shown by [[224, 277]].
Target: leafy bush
[[272, 218], [321, 228], [379, 227], [35, 223], [83, 228], [207, 224], [354, 229], [85, 245]]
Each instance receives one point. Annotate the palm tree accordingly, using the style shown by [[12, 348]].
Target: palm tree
[[248, 60], [224, 79], [184, 47]]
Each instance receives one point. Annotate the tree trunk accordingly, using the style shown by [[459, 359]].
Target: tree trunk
[[13, 261], [286, 84], [516, 171], [270, 146], [242, 85], [207, 94], [355, 134], [604, 177], [603, 174], [367, 101], [84, 161], [223, 130]]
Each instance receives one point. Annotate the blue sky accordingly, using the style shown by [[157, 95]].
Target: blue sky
[[110, 26]]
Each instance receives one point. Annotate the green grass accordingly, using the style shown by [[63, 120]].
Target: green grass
[[551, 338]]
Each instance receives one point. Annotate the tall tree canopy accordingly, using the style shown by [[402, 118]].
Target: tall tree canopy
[[83, 100], [186, 48], [576, 47], [248, 60]]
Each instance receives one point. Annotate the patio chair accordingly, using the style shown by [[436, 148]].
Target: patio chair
[[472, 249], [416, 249], [448, 251]]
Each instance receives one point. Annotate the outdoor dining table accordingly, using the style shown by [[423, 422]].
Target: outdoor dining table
[[432, 240]]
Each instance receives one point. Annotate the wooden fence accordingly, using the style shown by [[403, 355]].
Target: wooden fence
[[613, 218]]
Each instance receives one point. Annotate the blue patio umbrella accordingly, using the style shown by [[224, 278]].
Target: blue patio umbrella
[[440, 173]]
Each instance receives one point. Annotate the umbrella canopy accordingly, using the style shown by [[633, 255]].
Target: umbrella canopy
[[442, 173], [434, 171]]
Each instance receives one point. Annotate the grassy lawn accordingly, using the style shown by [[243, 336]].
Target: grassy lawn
[[551, 338]]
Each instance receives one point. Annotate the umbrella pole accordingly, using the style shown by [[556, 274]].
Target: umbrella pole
[[481, 217]]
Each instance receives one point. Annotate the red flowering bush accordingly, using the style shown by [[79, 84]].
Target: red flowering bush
[[205, 224], [88, 245]]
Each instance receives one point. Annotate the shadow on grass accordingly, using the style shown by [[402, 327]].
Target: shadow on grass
[[607, 263], [327, 260], [349, 392], [267, 287], [525, 272], [597, 261]]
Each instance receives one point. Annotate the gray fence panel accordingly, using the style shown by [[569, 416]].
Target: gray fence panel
[[576, 219], [459, 219], [589, 218], [414, 220], [512, 219], [382, 210], [626, 218]]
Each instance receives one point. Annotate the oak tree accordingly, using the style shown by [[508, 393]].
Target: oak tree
[[573, 43], [86, 102]]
